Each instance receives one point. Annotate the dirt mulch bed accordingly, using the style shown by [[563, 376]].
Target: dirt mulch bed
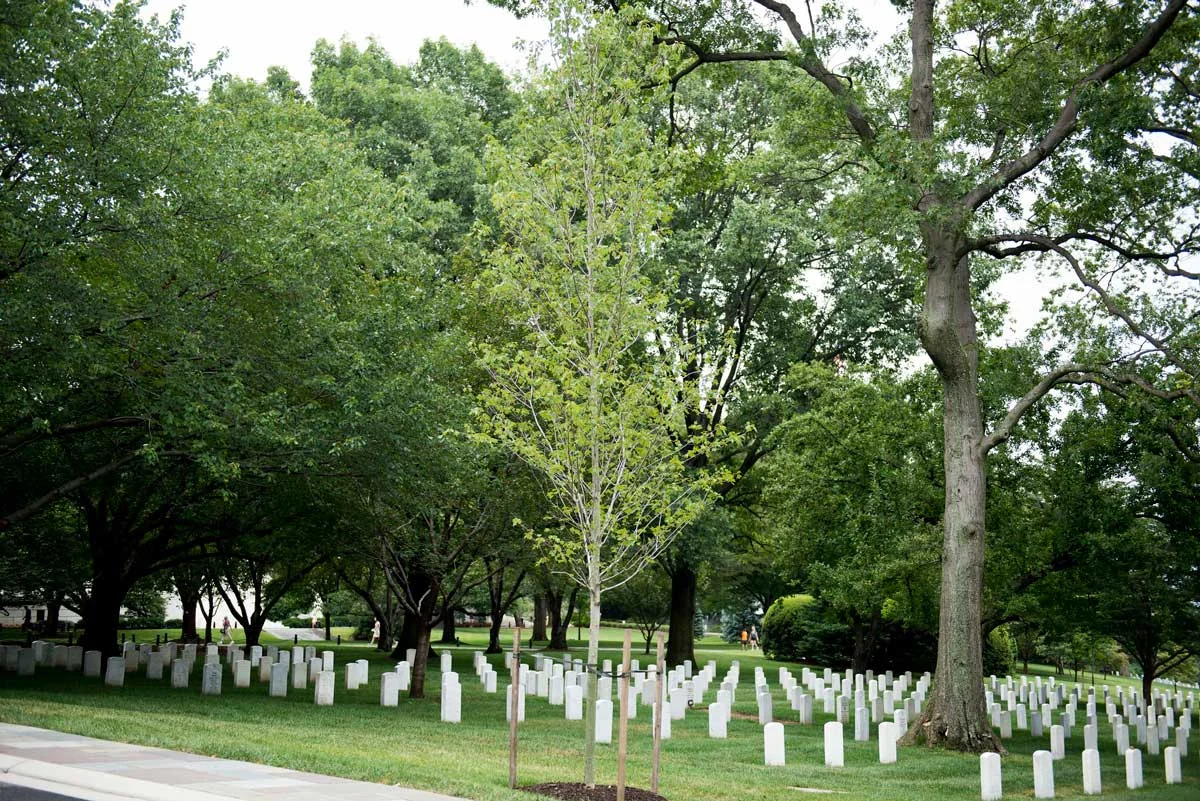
[[575, 791]]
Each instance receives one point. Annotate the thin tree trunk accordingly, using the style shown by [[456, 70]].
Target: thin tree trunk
[[681, 631], [421, 662], [208, 613], [858, 661], [593, 684]]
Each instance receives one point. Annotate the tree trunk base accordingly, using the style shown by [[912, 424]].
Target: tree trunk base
[[930, 729]]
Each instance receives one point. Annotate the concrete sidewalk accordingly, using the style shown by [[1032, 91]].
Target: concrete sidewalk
[[99, 770]]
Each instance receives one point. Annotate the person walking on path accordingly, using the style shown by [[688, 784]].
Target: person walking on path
[[745, 639], [753, 638], [226, 632]]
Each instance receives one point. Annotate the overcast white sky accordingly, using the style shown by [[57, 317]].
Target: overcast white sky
[[261, 33]]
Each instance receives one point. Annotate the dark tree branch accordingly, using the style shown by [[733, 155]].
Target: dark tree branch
[[1067, 373], [809, 62], [70, 486], [14, 442], [1068, 116]]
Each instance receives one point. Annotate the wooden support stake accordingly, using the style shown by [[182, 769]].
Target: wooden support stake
[[514, 704], [623, 730], [660, 685]]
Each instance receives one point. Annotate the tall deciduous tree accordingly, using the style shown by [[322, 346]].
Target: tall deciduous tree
[[578, 195], [1002, 129], [191, 288], [853, 496]]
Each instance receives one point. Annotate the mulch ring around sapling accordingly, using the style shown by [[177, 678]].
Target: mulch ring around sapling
[[576, 791]]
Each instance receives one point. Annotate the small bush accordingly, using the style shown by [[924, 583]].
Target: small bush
[[793, 630], [800, 628], [999, 653], [364, 626]]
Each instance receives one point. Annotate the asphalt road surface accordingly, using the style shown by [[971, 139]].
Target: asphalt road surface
[[12, 792]]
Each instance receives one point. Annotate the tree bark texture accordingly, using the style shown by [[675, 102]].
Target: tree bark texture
[[593, 686], [560, 621], [424, 619], [539, 618], [50, 624], [865, 632], [188, 631], [957, 717], [408, 636], [421, 662], [681, 627], [497, 622], [102, 615]]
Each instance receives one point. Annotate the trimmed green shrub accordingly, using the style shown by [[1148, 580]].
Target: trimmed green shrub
[[999, 652], [801, 628], [790, 629]]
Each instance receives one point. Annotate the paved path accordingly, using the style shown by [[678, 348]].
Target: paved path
[[86, 768], [305, 635]]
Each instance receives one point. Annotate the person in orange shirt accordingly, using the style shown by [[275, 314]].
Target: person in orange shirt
[[745, 639]]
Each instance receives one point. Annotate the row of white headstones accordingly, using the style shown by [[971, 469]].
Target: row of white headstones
[[564, 683], [1152, 721]]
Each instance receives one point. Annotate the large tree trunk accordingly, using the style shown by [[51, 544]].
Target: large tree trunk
[[253, 632], [560, 622], [865, 632], [681, 634], [539, 618], [102, 615], [409, 634], [957, 718], [497, 618], [449, 630], [50, 624], [188, 631]]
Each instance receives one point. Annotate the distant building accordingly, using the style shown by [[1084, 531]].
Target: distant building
[[13, 614]]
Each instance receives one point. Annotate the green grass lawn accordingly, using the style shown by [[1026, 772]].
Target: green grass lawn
[[408, 745]]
